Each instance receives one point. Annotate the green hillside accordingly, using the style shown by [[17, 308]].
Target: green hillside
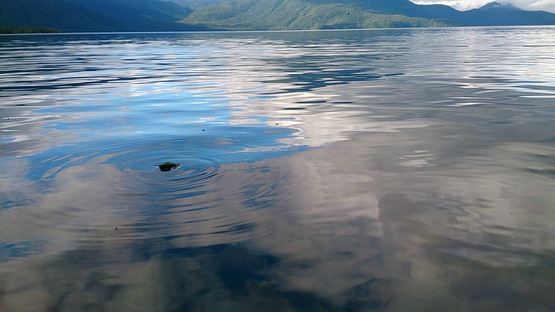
[[180, 15], [298, 14]]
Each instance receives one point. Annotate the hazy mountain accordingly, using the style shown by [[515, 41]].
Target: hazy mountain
[[56, 14], [95, 15], [160, 15], [135, 11], [496, 13]]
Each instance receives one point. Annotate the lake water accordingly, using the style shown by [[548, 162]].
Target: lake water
[[391, 170]]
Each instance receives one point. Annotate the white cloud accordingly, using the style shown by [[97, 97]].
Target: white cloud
[[534, 5]]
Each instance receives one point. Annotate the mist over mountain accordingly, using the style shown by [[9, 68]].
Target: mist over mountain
[[178, 15], [497, 14]]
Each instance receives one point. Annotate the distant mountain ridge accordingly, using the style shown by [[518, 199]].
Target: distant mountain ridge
[[178, 15], [95, 15], [318, 14], [498, 14], [302, 14], [308, 14]]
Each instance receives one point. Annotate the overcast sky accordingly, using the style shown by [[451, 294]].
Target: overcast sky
[[544, 5]]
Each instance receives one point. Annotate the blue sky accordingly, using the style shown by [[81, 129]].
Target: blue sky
[[544, 5]]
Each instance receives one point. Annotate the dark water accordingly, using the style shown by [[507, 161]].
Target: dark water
[[391, 170]]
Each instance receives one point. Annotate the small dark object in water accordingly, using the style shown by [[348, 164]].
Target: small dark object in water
[[167, 166]]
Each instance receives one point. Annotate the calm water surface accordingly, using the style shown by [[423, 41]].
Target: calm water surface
[[391, 170]]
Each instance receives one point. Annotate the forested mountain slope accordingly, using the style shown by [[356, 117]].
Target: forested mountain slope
[[318, 14], [300, 14], [160, 15]]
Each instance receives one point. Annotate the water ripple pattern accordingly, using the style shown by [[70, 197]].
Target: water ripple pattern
[[318, 170]]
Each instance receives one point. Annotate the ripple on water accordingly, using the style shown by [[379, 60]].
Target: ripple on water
[[90, 188]]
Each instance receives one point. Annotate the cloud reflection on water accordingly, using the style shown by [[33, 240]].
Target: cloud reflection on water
[[425, 178]]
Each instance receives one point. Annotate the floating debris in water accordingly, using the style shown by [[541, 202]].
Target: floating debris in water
[[167, 166]]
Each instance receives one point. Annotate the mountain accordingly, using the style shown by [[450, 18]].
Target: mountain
[[147, 14], [497, 14], [175, 15], [95, 15], [321, 14], [305, 14], [197, 3], [56, 14]]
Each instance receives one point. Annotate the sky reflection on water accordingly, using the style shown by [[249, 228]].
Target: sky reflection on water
[[320, 171]]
